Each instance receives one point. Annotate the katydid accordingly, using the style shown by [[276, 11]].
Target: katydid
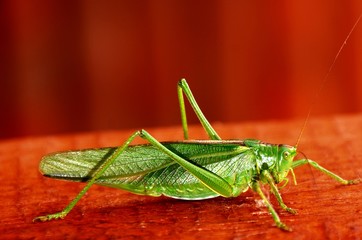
[[187, 169]]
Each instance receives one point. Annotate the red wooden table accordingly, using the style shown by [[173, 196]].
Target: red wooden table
[[325, 208]]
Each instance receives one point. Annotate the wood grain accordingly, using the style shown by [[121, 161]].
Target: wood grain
[[325, 208]]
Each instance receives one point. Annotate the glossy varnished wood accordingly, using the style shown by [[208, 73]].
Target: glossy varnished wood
[[325, 208]]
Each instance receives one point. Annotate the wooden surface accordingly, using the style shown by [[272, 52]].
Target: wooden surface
[[325, 208]]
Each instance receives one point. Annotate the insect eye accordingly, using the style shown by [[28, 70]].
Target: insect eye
[[286, 154]]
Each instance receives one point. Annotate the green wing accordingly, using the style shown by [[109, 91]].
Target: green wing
[[80, 165], [143, 169]]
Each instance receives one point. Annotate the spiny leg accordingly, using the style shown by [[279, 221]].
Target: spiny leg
[[325, 171], [276, 192], [275, 216], [208, 178], [183, 88]]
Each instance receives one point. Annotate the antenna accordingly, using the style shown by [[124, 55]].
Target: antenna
[[323, 83]]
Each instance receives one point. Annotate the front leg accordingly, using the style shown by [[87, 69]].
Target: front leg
[[325, 171], [275, 216], [276, 192]]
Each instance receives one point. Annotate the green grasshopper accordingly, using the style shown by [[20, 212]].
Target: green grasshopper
[[187, 169]]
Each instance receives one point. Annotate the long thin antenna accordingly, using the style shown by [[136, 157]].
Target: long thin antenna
[[323, 83]]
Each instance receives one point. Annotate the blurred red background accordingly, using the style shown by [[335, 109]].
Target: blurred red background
[[70, 66]]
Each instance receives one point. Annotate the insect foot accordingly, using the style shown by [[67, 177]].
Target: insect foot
[[284, 227], [291, 210], [354, 181], [58, 215], [288, 209]]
